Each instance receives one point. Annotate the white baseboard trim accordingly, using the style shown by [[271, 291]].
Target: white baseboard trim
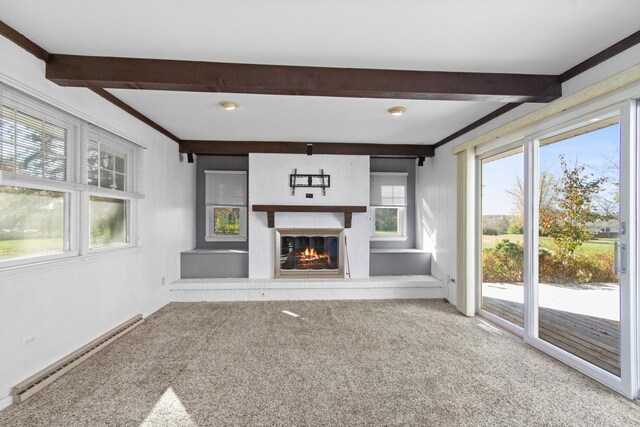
[[384, 287], [51, 373], [6, 402]]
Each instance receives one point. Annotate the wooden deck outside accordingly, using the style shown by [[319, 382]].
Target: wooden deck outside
[[593, 339]]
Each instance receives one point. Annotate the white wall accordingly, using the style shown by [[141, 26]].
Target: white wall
[[66, 305], [436, 217], [269, 185], [436, 181]]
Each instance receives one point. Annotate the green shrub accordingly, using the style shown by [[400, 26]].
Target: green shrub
[[504, 264], [515, 228], [487, 231], [581, 268]]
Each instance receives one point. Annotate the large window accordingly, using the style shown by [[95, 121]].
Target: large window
[[388, 205], [32, 222], [226, 201], [108, 221], [61, 179], [108, 171]]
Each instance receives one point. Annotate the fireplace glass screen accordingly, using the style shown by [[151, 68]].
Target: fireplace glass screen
[[309, 253]]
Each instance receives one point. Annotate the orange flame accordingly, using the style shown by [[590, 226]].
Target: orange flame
[[309, 254]]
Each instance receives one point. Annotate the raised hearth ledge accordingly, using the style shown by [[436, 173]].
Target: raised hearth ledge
[[397, 251], [272, 209], [290, 289], [216, 251]]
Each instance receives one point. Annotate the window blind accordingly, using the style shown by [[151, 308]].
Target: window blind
[[107, 160], [226, 188], [37, 140], [388, 189]]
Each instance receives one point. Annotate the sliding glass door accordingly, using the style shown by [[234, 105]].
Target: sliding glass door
[[557, 242], [578, 241], [501, 239]]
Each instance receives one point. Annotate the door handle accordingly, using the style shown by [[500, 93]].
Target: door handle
[[623, 258], [615, 258]]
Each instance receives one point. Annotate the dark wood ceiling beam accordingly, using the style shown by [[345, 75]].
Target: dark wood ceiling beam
[[23, 42], [585, 65], [497, 113], [40, 53], [601, 56], [135, 113], [193, 76], [241, 148]]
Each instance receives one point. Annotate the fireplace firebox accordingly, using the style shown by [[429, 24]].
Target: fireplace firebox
[[309, 253]]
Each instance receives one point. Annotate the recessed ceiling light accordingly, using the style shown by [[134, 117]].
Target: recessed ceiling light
[[229, 105], [397, 111], [596, 119]]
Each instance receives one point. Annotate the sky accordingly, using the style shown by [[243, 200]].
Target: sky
[[598, 150]]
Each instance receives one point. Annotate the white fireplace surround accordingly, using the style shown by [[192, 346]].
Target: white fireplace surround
[[269, 185], [309, 232]]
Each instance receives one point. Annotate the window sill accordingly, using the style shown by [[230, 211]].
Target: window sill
[[389, 238], [56, 264], [226, 239]]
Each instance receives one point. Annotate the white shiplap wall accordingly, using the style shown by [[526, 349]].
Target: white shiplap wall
[[70, 304], [436, 216]]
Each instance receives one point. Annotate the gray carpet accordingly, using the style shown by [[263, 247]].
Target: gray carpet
[[341, 363]]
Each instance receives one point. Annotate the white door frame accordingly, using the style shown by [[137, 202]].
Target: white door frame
[[499, 321], [628, 383]]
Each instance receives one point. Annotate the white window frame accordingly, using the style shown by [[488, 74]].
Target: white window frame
[[130, 208], [242, 236], [401, 234], [209, 208], [627, 383], [106, 139], [75, 187], [71, 230]]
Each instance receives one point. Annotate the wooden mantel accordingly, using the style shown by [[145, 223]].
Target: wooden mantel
[[272, 209]]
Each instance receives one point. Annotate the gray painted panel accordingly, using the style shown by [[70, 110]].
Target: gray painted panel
[[204, 265], [400, 165], [399, 263], [203, 163]]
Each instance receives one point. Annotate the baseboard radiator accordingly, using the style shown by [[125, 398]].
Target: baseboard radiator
[[37, 382]]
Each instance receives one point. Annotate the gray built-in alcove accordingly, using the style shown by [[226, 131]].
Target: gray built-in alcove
[[220, 163], [399, 165], [231, 259], [399, 257], [214, 259]]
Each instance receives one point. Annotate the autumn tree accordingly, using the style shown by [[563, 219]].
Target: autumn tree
[[548, 184], [575, 209]]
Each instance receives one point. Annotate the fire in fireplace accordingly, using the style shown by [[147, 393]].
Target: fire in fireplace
[[309, 252]]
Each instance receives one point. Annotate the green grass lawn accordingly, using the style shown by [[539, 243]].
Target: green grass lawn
[[596, 246], [30, 247]]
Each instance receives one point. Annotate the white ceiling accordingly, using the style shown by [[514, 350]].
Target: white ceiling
[[542, 36], [296, 118]]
